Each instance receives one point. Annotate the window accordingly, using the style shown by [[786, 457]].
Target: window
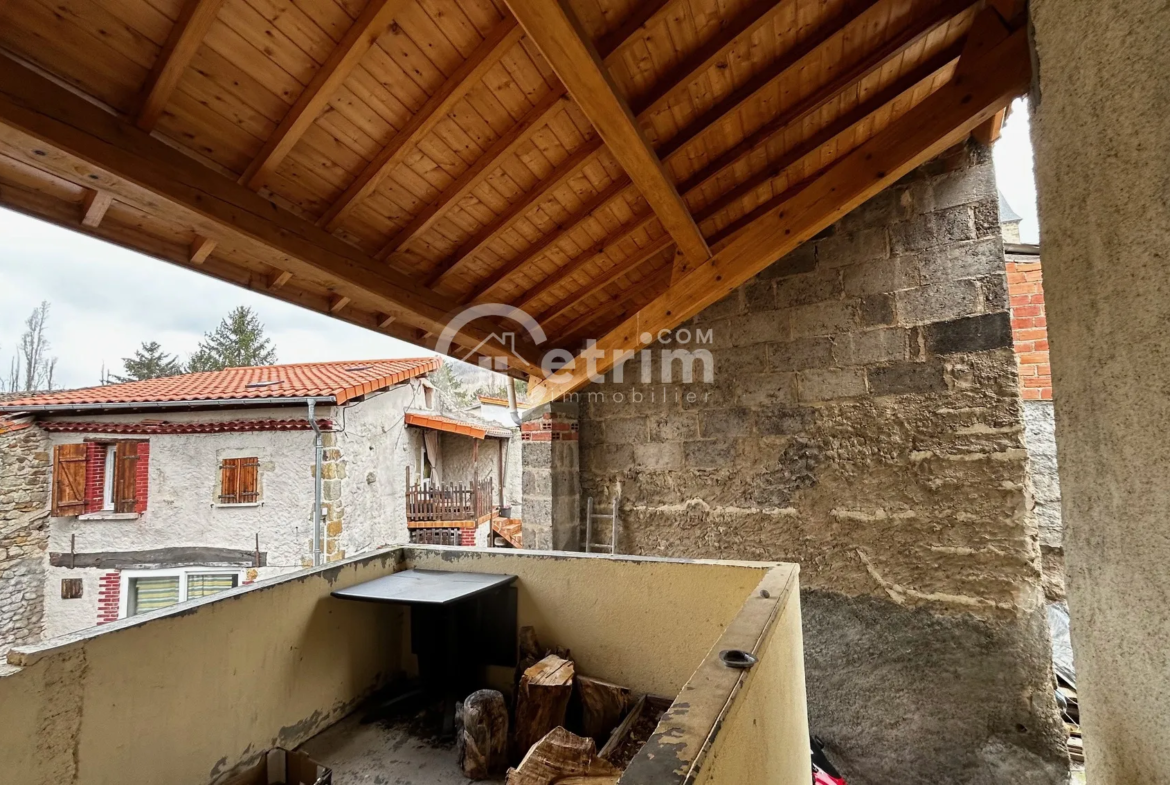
[[149, 591], [239, 481], [100, 477]]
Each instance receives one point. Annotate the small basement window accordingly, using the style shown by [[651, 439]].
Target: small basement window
[[239, 481], [149, 591]]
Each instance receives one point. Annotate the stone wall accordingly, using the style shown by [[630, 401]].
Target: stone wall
[[864, 420], [24, 535], [551, 481]]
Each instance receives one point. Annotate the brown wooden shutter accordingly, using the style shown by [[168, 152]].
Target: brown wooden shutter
[[126, 477], [68, 479], [229, 480], [249, 481]]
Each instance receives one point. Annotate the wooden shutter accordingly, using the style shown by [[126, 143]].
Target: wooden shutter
[[239, 480], [68, 479], [249, 489], [126, 476], [229, 480]]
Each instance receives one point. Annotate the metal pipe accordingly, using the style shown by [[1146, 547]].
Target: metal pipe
[[317, 458], [512, 409]]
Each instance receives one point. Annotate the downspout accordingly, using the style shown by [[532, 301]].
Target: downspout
[[317, 459], [512, 410]]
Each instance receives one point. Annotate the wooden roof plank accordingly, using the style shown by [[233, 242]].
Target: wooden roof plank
[[376, 18], [939, 122], [185, 39], [558, 35], [65, 134], [454, 88]]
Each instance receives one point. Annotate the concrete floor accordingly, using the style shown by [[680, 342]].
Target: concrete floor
[[383, 754]]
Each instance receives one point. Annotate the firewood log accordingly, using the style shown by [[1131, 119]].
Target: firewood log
[[603, 705], [561, 756], [481, 741], [541, 701]]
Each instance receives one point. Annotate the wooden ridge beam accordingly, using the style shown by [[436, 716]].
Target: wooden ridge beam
[[615, 189], [372, 24], [52, 129], [536, 118], [944, 119], [501, 39], [184, 40], [558, 35]]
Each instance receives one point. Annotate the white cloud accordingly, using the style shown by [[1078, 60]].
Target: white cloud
[[107, 300], [1013, 170]]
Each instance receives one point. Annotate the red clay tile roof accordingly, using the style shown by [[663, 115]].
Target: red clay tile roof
[[445, 422], [338, 380], [164, 427]]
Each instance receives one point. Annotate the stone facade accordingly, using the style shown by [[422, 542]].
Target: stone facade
[[24, 534], [864, 420], [551, 482]]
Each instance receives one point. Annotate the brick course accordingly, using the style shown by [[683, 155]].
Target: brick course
[[109, 596], [1025, 283]]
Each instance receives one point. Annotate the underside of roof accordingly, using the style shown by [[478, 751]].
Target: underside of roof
[[610, 167]]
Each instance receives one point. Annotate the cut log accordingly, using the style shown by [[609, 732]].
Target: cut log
[[541, 701], [561, 756], [602, 706], [481, 740]]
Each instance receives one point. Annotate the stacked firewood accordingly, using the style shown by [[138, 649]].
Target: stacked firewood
[[550, 698]]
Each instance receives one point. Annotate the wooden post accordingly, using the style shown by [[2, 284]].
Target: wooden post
[[500, 468]]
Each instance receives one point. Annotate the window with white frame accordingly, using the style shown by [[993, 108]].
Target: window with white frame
[[149, 590]]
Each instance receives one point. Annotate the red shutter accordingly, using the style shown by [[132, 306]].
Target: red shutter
[[126, 477], [68, 479]]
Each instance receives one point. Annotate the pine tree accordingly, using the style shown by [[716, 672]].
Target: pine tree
[[149, 362], [238, 341], [446, 381]]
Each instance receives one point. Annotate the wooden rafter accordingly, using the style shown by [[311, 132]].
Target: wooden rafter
[[797, 115], [371, 25], [201, 248], [501, 39], [558, 35], [94, 206], [942, 120], [49, 127], [573, 330], [184, 40]]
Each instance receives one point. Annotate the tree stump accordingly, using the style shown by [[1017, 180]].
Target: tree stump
[[541, 701], [603, 705], [481, 741], [561, 755]]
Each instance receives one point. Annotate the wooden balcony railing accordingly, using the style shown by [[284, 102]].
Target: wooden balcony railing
[[449, 502]]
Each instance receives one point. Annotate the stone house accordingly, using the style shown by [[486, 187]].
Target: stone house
[[125, 498]]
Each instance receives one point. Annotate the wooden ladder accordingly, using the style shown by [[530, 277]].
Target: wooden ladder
[[611, 516]]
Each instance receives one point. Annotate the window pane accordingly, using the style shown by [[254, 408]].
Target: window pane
[[204, 585], [148, 594]]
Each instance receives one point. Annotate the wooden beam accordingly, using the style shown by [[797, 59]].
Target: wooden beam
[[50, 128], [989, 132], [94, 206], [185, 38], [371, 25], [279, 280], [385, 320], [337, 302], [536, 118], [201, 248], [505, 35], [557, 33], [643, 12], [613, 191], [938, 123]]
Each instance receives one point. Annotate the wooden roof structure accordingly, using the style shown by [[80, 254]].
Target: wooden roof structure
[[610, 167]]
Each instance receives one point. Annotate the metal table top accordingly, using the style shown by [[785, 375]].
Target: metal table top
[[424, 587]]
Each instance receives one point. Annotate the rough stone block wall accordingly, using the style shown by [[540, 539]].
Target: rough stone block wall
[[24, 534], [864, 421]]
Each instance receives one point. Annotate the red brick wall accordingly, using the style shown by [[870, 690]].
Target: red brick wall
[[549, 428], [95, 475], [109, 591], [1030, 329], [467, 536], [142, 475]]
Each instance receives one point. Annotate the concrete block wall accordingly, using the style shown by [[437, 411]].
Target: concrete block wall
[[864, 420], [24, 534], [551, 481]]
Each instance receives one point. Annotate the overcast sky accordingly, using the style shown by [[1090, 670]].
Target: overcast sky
[[105, 300]]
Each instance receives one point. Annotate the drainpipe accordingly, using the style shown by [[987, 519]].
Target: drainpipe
[[512, 410], [317, 456]]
